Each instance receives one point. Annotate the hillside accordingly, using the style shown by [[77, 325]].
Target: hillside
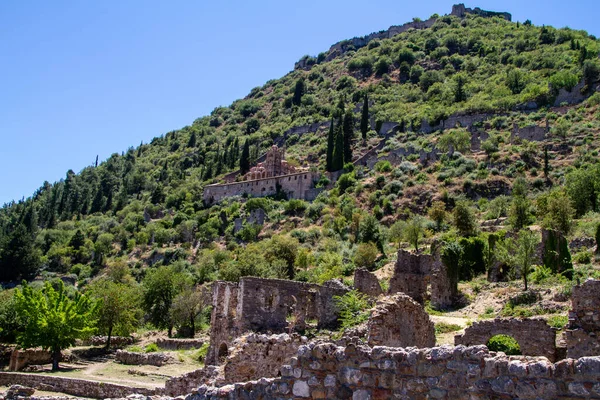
[[462, 109]]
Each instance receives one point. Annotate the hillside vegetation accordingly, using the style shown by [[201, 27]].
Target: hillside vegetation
[[137, 220]]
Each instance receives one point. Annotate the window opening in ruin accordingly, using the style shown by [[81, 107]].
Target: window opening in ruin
[[223, 352], [504, 343], [269, 300]]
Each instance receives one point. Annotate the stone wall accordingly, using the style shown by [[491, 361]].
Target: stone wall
[[19, 359], [260, 356], [583, 332], [186, 383], [294, 185], [367, 283], [267, 305], [325, 371], [72, 386], [535, 336], [413, 273], [399, 321], [533, 133], [179, 344], [131, 358]]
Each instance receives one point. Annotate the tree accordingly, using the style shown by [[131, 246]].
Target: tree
[[458, 139], [160, 287], [414, 230], [526, 247], [437, 213], [451, 255], [330, 147], [364, 120], [185, 310], [365, 256], [515, 80], [53, 321], [591, 72], [546, 163], [464, 218], [583, 186], [284, 248], [19, 258], [245, 158], [558, 212], [561, 129], [338, 150], [519, 214], [348, 129], [459, 88], [119, 307], [298, 91]]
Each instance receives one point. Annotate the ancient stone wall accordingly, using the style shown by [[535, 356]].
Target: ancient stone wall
[[186, 383], [399, 321], [19, 359], [366, 282], [258, 356], [325, 371], [294, 185], [179, 344], [72, 386], [262, 305], [533, 133], [535, 336], [583, 332], [131, 358]]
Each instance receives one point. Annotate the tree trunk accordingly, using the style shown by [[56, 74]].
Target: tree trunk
[[108, 337], [170, 330], [55, 359]]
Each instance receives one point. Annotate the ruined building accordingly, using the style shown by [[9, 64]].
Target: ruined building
[[583, 332], [268, 178], [267, 305]]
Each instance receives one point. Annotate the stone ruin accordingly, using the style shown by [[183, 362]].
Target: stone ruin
[[20, 358], [268, 305], [274, 165], [399, 321], [133, 358], [535, 336], [533, 133], [367, 283], [583, 331], [415, 273]]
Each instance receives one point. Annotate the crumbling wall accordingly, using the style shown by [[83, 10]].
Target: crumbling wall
[[268, 305], [533, 133], [179, 344], [399, 321], [256, 356], [325, 371], [186, 383], [131, 358], [367, 283], [535, 336], [583, 332], [413, 273], [72, 386], [19, 359]]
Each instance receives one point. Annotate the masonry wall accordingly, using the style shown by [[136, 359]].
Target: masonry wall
[[75, 387], [325, 371], [535, 336], [583, 332], [223, 320], [294, 185]]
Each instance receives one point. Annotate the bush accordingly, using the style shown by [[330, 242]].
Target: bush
[[295, 207], [151, 348], [505, 344], [365, 256], [353, 308], [583, 257], [443, 327], [558, 321], [383, 166]]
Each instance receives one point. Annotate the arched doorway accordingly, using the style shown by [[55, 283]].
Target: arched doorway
[[223, 352]]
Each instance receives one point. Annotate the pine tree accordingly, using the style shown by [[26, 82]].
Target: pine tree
[[192, 141], [298, 91], [330, 146], [245, 159], [364, 121], [348, 131]]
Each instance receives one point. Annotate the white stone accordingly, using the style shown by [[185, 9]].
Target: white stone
[[301, 389]]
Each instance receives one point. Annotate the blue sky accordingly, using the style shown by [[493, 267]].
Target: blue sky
[[82, 78]]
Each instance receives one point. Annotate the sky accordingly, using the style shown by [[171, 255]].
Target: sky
[[80, 79]]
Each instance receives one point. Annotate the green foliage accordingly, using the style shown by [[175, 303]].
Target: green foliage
[[151, 348], [505, 344], [556, 254], [526, 247], [465, 219], [458, 139], [160, 287], [444, 327], [295, 207], [365, 256], [472, 259], [53, 321], [353, 308], [557, 211], [558, 321], [414, 229]]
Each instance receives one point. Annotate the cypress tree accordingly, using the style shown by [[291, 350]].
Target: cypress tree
[[338, 150], [364, 121], [348, 131], [546, 163], [298, 91], [245, 158], [330, 146]]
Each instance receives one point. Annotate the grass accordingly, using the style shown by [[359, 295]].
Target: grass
[[558, 321]]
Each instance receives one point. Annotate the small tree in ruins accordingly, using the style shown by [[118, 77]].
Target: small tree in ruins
[[53, 321]]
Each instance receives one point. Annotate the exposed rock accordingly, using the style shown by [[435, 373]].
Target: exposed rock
[[367, 283], [131, 358]]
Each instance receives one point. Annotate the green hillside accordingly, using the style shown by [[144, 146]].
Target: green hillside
[[141, 212]]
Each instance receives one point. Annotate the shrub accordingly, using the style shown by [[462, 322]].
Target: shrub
[[295, 207], [443, 327], [151, 348], [353, 308], [365, 256], [583, 257], [558, 321], [505, 344], [383, 166]]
